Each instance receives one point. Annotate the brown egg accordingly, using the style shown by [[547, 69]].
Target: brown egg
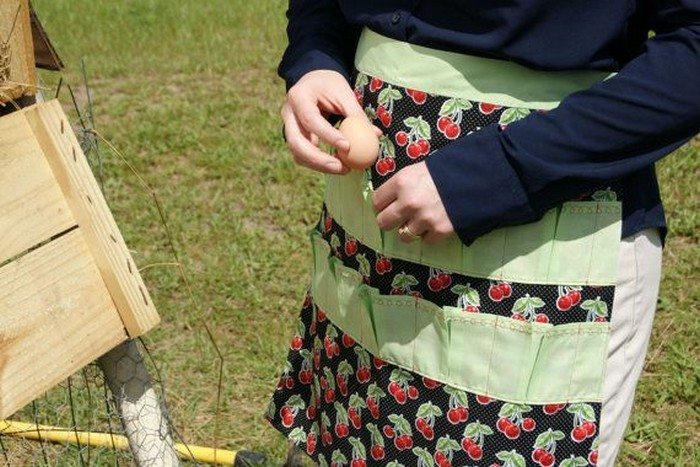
[[364, 144]]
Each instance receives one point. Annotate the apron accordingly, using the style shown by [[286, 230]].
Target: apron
[[447, 354]]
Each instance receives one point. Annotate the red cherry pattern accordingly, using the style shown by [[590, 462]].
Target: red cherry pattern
[[438, 280], [350, 246], [568, 298], [418, 97], [384, 116], [499, 291], [382, 265], [401, 138], [385, 166], [487, 109], [593, 457]]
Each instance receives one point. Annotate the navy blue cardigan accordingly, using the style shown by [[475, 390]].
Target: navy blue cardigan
[[608, 135]]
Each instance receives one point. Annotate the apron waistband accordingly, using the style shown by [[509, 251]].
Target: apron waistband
[[480, 79]]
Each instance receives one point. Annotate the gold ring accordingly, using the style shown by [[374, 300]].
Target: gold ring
[[404, 231]]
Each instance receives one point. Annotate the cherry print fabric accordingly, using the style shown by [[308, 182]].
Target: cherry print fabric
[[346, 407]]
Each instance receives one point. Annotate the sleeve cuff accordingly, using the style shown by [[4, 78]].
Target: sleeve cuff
[[478, 187], [311, 61]]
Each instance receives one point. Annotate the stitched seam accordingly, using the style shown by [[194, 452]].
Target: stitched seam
[[488, 369], [573, 370], [500, 321], [636, 298], [638, 283]]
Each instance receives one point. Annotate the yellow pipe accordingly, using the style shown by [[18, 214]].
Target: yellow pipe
[[108, 440]]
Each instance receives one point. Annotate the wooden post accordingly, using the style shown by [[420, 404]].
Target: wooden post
[[17, 69]]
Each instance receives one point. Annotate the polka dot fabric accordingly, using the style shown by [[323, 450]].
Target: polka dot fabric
[[347, 407]]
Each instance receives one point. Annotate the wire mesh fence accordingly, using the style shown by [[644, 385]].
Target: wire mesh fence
[[84, 403]]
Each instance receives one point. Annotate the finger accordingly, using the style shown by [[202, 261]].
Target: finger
[[314, 139], [305, 153], [309, 116], [385, 194], [311, 137], [348, 104], [416, 230], [350, 107], [433, 237], [391, 217]]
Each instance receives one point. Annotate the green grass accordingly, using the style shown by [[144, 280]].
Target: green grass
[[188, 92]]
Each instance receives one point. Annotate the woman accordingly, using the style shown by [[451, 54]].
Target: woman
[[483, 295]]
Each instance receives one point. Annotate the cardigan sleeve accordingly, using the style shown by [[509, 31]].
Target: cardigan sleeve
[[505, 176], [320, 38]]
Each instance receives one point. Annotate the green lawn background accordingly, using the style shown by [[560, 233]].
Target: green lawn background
[[187, 90]]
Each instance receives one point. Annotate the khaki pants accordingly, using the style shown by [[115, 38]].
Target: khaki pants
[[633, 313]]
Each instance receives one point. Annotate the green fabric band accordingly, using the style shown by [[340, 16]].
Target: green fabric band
[[574, 244], [467, 76], [510, 360]]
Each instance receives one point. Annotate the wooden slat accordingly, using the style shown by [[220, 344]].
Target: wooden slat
[[56, 316], [71, 170], [32, 206]]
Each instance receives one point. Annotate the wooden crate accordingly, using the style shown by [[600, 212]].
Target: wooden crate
[[69, 288], [17, 70]]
